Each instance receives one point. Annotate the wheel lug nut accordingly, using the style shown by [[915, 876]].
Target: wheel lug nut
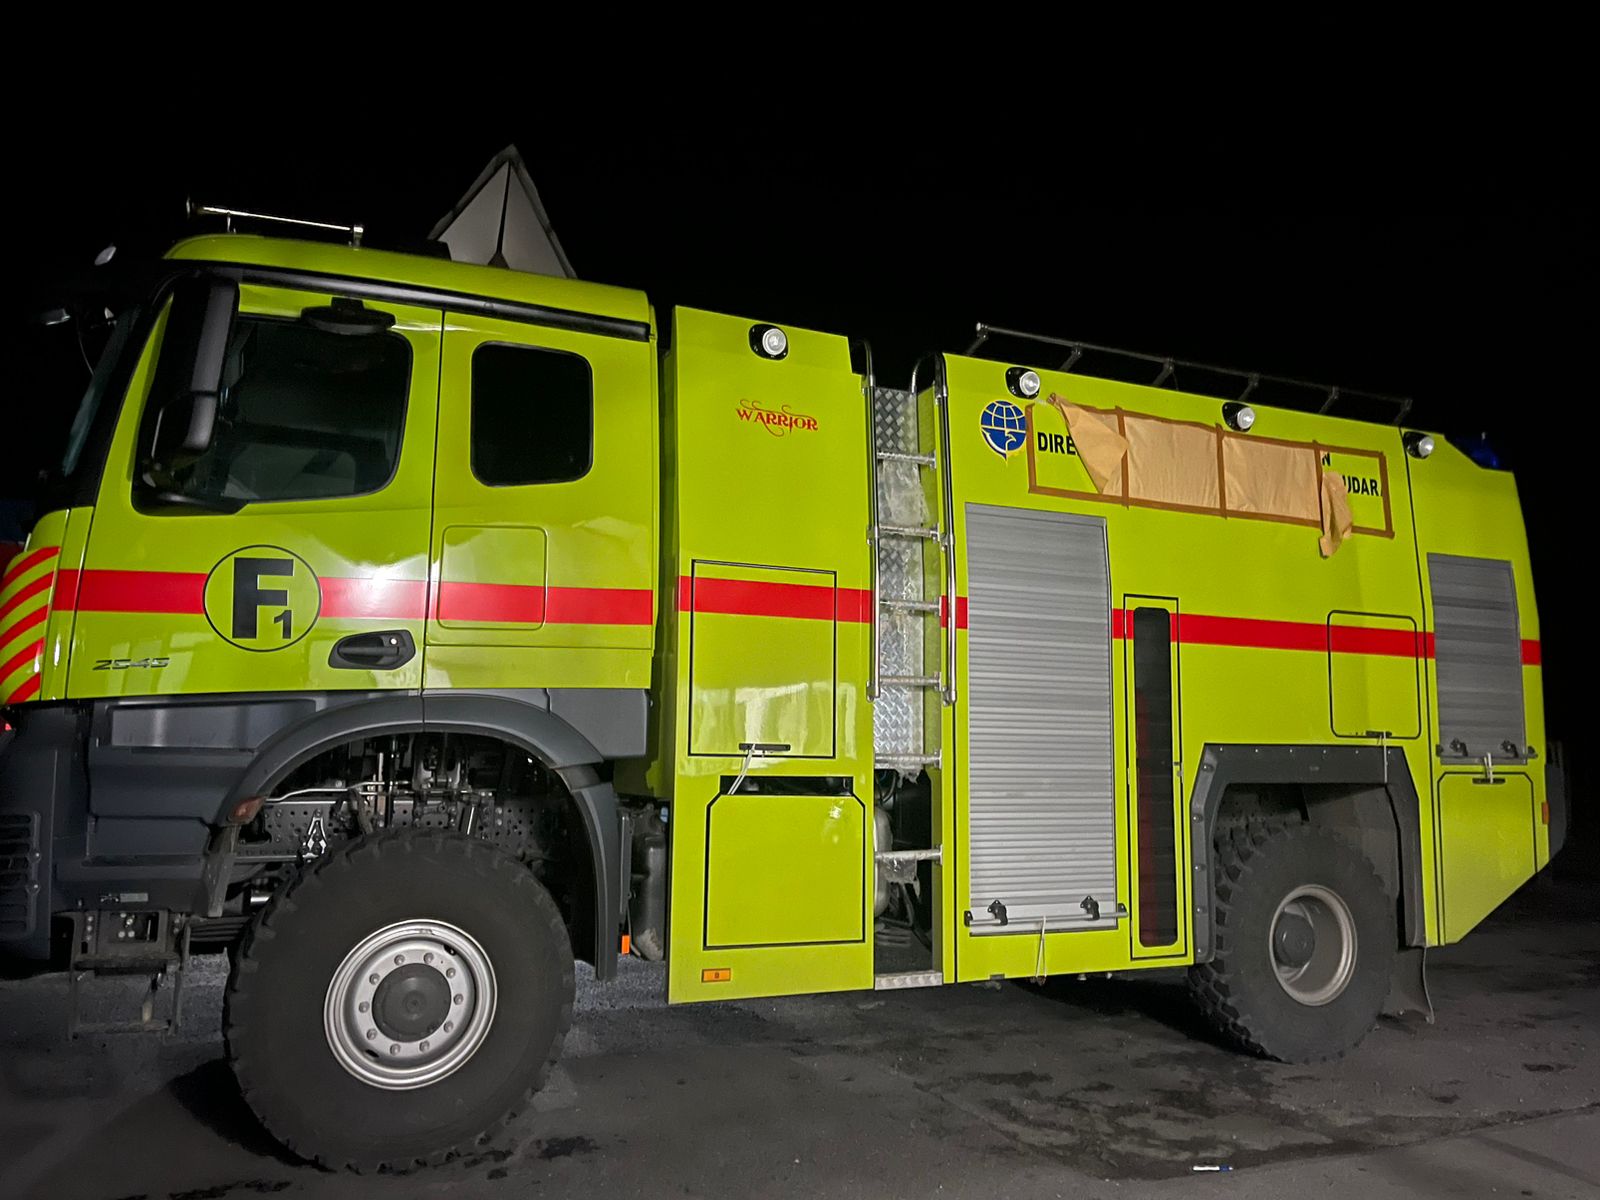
[[365, 1006], [395, 1049], [449, 972], [424, 1047], [427, 958], [372, 1035], [449, 1025], [458, 998], [373, 978], [398, 959]]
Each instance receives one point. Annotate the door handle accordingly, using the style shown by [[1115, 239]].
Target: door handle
[[381, 651]]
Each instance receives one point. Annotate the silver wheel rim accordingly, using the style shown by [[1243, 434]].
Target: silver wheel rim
[[1312, 945], [410, 1004]]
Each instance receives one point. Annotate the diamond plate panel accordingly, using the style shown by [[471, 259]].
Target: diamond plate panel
[[895, 415]]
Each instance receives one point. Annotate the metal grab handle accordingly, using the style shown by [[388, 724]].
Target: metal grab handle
[[869, 388], [941, 399]]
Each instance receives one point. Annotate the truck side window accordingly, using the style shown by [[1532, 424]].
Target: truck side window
[[304, 415], [532, 415]]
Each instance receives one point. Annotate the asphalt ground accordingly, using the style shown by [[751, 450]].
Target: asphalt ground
[[1083, 1088]]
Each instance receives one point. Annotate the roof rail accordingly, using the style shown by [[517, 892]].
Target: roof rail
[[1296, 393]]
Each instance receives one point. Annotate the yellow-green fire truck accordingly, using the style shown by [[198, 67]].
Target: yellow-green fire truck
[[415, 628]]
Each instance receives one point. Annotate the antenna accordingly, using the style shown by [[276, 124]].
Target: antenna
[[229, 215]]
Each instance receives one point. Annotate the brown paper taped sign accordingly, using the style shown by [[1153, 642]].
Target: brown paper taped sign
[[1172, 463], [1151, 462], [1100, 447], [1336, 519], [1271, 479]]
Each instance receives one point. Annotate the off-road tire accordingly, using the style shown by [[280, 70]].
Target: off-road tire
[[273, 1007], [1259, 863]]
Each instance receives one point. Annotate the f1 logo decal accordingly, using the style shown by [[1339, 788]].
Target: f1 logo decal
[[262, 598]]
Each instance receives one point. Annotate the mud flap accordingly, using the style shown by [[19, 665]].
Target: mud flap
[[1408, 985]]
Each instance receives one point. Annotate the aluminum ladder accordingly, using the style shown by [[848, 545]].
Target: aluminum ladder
[[913, 576], [913, 603]]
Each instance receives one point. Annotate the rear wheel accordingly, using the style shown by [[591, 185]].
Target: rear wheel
[[1305, 941], [400, 1001]]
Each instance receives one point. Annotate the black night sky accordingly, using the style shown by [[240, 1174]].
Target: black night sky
[[1469, 286]]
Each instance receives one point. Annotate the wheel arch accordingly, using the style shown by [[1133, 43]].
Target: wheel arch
[[1339, 786], [533, 729]]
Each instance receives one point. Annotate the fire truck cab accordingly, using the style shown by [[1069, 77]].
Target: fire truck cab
[[412, 629]]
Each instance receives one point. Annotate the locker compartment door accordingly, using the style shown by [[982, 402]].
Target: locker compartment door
[[1487, 847], [1041, 809], [772, 873], [771, 887], [785, 869]]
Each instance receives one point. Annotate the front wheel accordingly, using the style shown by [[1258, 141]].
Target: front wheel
[[400, 1001], [1305, 944]]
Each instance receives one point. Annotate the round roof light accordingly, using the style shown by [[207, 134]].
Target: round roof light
[[1239, 417], [1419, 445], [1022, 382], [769, 341]]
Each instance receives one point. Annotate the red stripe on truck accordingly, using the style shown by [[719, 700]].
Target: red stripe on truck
[[27, 691], [377, 597], [759, 598], [396, 599], [531, 604], [27, 562], [27, 592], [183, 593], [176, 592], [23, 624], [28, 652], [1259, 634]]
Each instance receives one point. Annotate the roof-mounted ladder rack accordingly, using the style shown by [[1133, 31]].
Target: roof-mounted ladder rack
[[1322, 397]]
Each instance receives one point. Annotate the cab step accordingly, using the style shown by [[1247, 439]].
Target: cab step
[[910, 531], [936, 854], [109, 943], [894, 981], [894, 762]]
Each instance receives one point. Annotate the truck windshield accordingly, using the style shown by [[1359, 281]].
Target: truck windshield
[[94, 396]]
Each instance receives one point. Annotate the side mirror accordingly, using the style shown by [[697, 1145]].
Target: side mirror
[[348, 317], [188, 383]]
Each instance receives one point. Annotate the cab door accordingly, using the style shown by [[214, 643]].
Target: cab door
[[544, 509], [291, 555]]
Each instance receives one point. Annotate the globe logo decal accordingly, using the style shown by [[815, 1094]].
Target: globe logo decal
[[1005, 427]]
